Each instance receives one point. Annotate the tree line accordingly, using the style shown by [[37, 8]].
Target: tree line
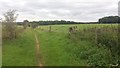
[[104, 20], [49, 22], [109, 19]]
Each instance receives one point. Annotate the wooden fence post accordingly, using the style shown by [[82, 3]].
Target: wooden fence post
[[96, 42], [49, 28]]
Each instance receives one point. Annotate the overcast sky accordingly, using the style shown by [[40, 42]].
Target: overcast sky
[[73, 10]]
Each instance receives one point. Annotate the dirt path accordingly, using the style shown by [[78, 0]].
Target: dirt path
[[38, 55]]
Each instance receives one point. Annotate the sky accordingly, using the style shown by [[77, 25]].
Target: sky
[[70, 10]]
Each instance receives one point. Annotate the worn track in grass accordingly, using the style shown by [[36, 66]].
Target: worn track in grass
[[38, 54]]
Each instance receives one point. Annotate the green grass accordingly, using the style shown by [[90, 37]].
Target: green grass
[[52, 46], [64, 28], [55, 47], [58, 50], [20, 51]]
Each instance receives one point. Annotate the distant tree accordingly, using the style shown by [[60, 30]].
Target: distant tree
[[25, 24], [110, 19], [54, 22], [9, 23], [34, 25]]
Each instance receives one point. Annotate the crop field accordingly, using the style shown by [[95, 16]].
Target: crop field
[[55, 45]]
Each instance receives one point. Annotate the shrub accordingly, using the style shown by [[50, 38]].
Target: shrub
[[104, 37], [9, 24]]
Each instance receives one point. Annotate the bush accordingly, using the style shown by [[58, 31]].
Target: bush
[[6, 35], [9, 24], [104, 37]]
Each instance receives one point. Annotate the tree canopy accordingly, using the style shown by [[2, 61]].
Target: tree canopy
[[110, 19]]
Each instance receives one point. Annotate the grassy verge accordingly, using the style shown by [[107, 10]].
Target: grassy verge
[[20, 51]]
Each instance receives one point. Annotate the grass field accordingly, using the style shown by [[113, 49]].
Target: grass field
[[20, 51], [55, 47]]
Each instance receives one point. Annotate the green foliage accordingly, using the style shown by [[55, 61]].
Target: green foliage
[[54, 22], [91, 54], [106, 37], [110, 19], [100, 58]]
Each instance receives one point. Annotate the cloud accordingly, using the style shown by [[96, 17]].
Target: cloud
[[75, 10]]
